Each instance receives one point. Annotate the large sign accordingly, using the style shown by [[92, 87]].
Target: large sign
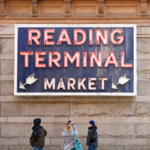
[[75, 60]]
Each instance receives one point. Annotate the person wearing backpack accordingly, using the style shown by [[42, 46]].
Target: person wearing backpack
[[37, 139], [92, 137], [68, 135]]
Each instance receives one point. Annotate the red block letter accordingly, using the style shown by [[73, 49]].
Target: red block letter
[[123, 63], [104, 38], [120, 38], [54, 60], [76, 42], [94, 58], [46, 36], [71, 59], [26, 58], [34, 38], [38, 59], [90, 36], [64, 37], [84, 59], [113, 61]]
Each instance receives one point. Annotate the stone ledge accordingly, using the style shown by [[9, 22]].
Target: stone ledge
[[125, 141], [8, 36], [6, 77], [143, 99], [143, 30], [8, 31], [110, 120], [30, 119], [59, 141], [8, 141], [6, 56], [143, 35], [25, 141], [103, 141], [56, 141], [84, 147]]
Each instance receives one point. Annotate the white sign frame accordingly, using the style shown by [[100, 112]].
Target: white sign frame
[[74, 93]]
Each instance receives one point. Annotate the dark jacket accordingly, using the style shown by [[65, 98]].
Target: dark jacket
[[92, 137], [38, 134]]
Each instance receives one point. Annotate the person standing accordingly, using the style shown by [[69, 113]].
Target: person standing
[[37, 139], [92, 137], [68, 135]]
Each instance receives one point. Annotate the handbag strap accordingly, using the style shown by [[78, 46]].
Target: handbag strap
[[75, 136]]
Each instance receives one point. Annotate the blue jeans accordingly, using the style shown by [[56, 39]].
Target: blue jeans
[[37, 148], [92, 147]]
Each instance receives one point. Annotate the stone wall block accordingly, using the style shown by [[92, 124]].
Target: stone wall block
[[106, 141], [20, 148], [8, 141], [7, 88], [148, 141], [125, 141], [52, 147], [24, 141], [93, 109], [108, 147], [24, 130], [10, 109], [16, 130], [125, 109], [7, 67], [7, 46], [54, 130], [47, 141], [143, 30], [56, 141], [35, 109], [137, 147], [116, 130], [143, 48], [142, 130], [143, 70], [142, 109], [45, 109], [143, 87], [82, 130], [109, 130], [102, 141], [7, 30], [4, 147]]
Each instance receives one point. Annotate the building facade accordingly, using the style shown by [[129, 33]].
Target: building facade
[[123, 122]]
